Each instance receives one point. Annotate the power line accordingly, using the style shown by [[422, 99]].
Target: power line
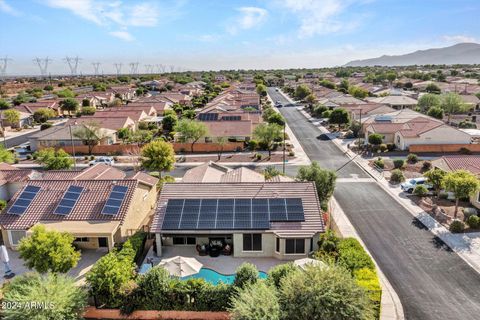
[[72, 64], [42, 65], [96, 65], [118, 68]]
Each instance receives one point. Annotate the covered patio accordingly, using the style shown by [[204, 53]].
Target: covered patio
[[221, 264]]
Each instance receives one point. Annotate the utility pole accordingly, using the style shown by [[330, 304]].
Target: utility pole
[[72, 64], [360, 130], [73, 146], [284, 145]]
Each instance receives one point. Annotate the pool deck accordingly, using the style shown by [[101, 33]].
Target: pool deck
[[222, 264]]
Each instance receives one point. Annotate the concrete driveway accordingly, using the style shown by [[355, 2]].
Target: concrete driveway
[[87, 260]]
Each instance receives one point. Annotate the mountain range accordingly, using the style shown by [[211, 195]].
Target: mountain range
[[461, 53]]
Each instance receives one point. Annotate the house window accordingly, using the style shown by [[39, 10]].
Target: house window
[[252, 242], [184, 241], [277, 245], [16, 236], [294, 246], [83, 239]]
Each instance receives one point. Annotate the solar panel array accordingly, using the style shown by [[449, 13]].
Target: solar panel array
[[208, 116], [70, 198], [115, 200], [24, 200], [231, 118], [230, 214]]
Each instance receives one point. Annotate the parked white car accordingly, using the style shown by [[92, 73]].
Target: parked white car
[[105, 160], [410, 185]]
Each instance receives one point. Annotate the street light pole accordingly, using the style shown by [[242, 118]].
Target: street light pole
[[73, 148], [284, 144]]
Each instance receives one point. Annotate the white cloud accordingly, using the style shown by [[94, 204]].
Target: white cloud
[[322, 17], [108, 14], [208, 37], [250, 17], [459, 38], [124, 35], [8, 9]]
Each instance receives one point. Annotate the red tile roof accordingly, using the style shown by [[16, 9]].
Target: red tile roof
[[459, 162], [88, 207]]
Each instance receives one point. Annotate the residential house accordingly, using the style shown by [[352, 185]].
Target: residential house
[[64, 135], [406, 127], [12, 179], [472, 101], [31, 107], [365, 111], [255, 219], [100, 213], [337, 101], [25, 119], [397, 102], [214, 172], [123, 92], [461, 162]]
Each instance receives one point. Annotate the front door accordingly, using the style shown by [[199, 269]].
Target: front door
[[103, 242]]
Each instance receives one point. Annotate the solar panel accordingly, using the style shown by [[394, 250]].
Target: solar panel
[[69, 199], [24, 200], [115, 200], [230, 214]]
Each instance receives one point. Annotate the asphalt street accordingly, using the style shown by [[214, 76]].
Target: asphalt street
[[431, 280]]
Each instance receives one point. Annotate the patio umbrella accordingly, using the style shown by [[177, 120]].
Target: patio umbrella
[[181, 266], [302, 263]]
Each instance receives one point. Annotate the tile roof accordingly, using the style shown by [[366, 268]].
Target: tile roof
[[305, 190], [459, 162], [15, 175], [207, 172], [416, 127], [242, 174], [242, 128], [88, 207], [145, 178], [100, 171]]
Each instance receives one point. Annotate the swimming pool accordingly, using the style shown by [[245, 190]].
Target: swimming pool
[[214, 277]]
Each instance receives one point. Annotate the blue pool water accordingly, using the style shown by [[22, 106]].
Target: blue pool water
[[208, 274], [214, 277]]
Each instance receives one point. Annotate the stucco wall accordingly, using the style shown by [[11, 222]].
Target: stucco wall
[[441, 135], [268, 246], [143, 202], [474, 200]]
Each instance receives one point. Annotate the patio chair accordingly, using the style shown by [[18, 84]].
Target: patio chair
[[202, 249]]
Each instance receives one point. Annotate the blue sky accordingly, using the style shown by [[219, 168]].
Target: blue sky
[[226, 34]]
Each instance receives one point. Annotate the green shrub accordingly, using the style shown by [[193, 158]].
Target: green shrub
[[352, 256], [473, 221], [258, 156], [427, 165], [420, 190], [412, 158], [109, 275], [3, 204], [368, 280], [391, 146], [457, 226], [253, 145], [464, 150], [383, 147], [323, 293], [379, 163], [136, 243], [62, 298], [398, 163], [257, 301], [328, 242], [397, 176], [277, 273], [157, 290], [326, 113], [246, 274]]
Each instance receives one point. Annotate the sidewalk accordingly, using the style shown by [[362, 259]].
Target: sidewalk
[[466, 245], [391, 307]]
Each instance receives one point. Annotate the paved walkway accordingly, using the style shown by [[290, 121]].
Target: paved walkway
[[466, 245]]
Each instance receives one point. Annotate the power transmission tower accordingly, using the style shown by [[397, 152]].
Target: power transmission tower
[[133, 67], [149, 68], [72, 64], [3, 65], [118, 67], [42, 65], [96, 65]]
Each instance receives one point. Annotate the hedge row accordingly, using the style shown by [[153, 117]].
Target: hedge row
[[353, 257]]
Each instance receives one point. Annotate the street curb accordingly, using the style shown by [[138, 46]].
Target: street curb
[[390, 307]]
